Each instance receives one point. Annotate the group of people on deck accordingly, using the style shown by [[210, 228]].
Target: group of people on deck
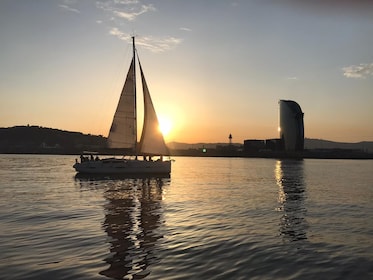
[[88, 158], [92, 158], [149, 158]]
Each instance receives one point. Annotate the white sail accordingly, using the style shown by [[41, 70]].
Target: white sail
[[152, 142], [123, 132]]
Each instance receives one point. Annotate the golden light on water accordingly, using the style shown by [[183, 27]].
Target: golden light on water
[[279, 179]]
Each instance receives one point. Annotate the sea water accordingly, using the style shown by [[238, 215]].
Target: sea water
[[214, 218]]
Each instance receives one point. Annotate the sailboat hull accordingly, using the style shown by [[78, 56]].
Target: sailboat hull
[[123, 166]]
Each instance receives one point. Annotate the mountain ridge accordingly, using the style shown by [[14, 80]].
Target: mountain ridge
[[34, 139]]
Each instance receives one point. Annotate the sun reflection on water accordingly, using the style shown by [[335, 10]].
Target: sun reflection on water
[[289, 176]]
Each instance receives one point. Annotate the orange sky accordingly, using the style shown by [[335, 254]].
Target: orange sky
[[221, 71]]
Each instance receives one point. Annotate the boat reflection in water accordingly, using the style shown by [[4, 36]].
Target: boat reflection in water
[[133, 214], [291, 196]]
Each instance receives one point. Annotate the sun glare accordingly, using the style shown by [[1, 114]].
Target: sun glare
[[165, 125]]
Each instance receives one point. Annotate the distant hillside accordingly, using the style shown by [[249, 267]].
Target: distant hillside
[[35, 139], [325, 144]]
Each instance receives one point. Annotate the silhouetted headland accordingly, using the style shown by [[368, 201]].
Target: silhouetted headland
[[41, 140]]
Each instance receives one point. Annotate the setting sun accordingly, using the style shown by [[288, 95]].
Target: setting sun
[[165, 125]]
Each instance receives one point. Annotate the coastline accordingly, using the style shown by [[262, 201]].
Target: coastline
[[40, 140], [306, 154]]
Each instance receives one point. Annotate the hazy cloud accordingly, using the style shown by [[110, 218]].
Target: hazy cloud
[[126, 2], [68, 8], [360, 71], [125, 9], [158, 44], [129, 10], [132, 14], [117, 33], [185, 29], [149, 42], [292, 78]]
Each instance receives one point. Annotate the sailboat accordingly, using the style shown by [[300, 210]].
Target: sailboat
[[147, 155]]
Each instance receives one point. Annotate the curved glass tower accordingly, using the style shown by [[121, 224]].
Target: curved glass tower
[[291, 125]]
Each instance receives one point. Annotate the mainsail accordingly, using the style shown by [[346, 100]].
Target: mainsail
[[123, 132]]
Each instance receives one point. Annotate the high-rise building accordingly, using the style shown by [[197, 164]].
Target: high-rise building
[[291, 126]]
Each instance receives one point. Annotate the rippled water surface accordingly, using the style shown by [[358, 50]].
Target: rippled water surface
[[214, 218]]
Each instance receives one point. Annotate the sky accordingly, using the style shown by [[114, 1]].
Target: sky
[[213, 67]]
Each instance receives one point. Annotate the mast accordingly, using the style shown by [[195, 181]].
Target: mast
[[134, 90]]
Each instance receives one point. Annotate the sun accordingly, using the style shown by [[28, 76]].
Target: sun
[[165, 125]]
